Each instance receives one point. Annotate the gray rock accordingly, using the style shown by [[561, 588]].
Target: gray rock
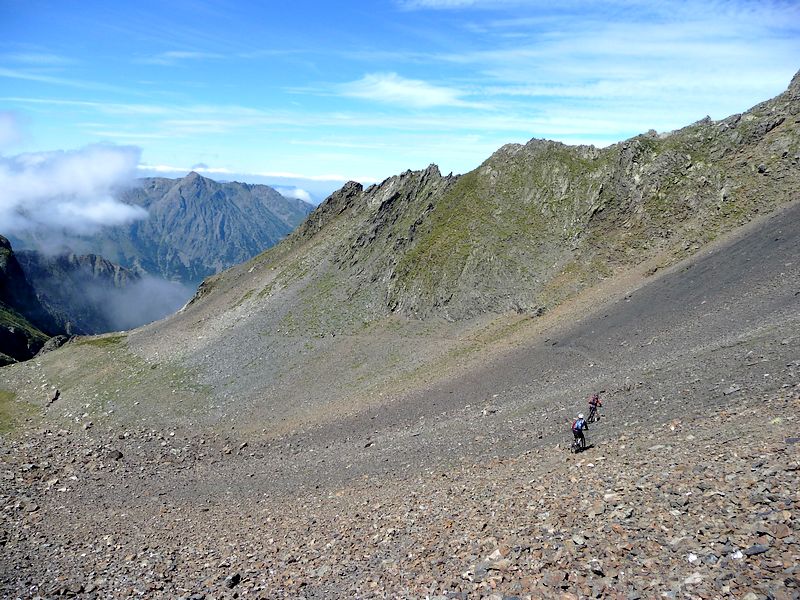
[[756, 549]]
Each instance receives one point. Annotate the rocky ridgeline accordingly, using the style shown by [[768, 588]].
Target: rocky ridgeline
[[695, 508]]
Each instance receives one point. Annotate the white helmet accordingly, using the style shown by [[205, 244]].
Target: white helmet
[[580, 416]]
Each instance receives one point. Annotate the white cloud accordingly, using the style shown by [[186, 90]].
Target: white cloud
[[393, 89], [294, 192], [175, 57], [67, 190]]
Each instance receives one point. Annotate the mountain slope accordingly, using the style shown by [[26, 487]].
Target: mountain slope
[[535, 223], [463, 489]]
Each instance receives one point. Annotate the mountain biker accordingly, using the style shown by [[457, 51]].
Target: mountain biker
[[578, 427], [594, 404]]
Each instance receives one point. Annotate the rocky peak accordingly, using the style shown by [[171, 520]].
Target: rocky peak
[[343, 198], [195, 182], [794, 87], [432, 171]]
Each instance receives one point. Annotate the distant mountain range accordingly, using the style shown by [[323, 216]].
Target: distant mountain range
[[123, 277], [195, 227]]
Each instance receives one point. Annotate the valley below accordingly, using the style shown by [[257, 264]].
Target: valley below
[[451, 479]]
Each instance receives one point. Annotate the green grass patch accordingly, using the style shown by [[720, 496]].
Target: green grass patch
[[106, 341], [12, 411]]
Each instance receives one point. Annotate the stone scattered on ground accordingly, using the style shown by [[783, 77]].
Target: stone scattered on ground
[[711, 512]]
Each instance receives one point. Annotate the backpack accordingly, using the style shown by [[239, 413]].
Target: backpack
[[577, 426]]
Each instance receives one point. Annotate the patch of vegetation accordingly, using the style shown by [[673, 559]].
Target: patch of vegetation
[[106, 341], [494, 225], [267, 289], [111, 383], [245, 298], [13, 411]]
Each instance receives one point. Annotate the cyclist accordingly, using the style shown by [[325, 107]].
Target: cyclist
[[578, 427], [594, 404]]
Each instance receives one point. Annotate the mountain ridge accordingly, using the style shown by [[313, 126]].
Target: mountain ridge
[[567, 215]]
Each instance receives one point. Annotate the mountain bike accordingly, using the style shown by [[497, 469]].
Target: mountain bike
[[576, 445]]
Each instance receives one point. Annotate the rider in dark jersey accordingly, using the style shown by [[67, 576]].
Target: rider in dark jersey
[[578, 427]]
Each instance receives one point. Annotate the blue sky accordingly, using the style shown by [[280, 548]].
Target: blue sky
[[310, 94]]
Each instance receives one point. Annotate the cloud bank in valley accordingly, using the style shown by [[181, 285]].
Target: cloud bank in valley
[[70, 191], [142, 301]]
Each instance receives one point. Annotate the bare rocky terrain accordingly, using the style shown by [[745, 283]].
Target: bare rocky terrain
[[463, 488]]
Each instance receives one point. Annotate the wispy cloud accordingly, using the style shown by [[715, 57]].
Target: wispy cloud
[[333, 177], [44, 78], [199, 168], [41, 59], [130, 109], [391, 88], [175, 57]]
